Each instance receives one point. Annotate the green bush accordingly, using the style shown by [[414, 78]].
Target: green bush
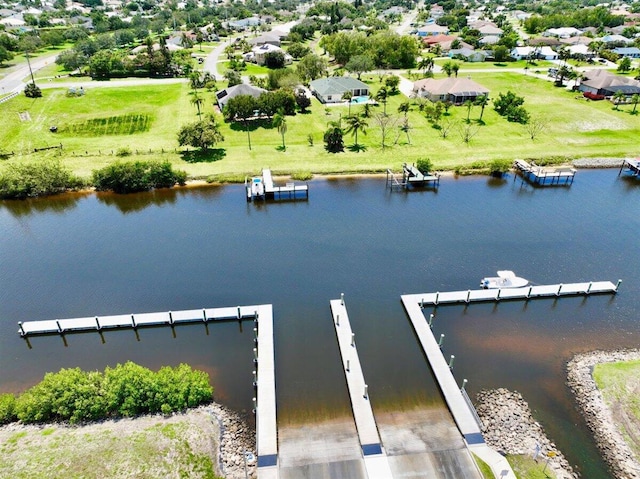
[[124, 151], [424, 165], [7, 408], [126, 390], [302, 175], [23, 180], [129, 177], [499, 167]]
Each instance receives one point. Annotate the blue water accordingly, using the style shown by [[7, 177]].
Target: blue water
[[360, 99], [104, 254]]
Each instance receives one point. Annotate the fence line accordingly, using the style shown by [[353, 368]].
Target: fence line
[[9, 96]]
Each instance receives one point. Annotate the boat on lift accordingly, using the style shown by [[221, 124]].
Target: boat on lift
[[505, 279]]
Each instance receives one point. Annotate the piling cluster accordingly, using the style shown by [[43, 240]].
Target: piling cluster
[[598, 416], [509, 427], [236, 439]]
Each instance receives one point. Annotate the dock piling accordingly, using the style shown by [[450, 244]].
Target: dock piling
[[59, 328], [431, 320], [342, 299], [464, 383], [366, 391], [353, 340], [22, 333], [618, 285], [529, 292], [239, 313], [98, 327], [589, 288], [170, 318], [255, 355], [468, 295], [559, 289], [498, 295], [451, 361], [441, 340]]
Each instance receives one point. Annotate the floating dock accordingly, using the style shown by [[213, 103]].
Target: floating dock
[[459, 404], [264, 188], [375, 459], [133, 321], [631, 165], [527, 292], [411, 176], [541, 176]]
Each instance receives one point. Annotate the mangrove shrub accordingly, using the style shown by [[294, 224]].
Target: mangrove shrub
[[23, 180], [126, 390], [7, 408], [133, 176]]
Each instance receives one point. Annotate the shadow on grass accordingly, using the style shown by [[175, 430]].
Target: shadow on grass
[[281, 148], [499, 64], [252, 125], [204, 156], [357, 148]]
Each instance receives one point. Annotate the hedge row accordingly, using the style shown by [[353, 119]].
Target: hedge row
[[127, 390], [24, 180]]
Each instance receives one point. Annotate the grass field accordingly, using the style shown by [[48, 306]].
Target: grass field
[[620, 387], [574, 128]]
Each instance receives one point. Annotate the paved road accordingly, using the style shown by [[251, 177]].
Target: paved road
[[15, 81]]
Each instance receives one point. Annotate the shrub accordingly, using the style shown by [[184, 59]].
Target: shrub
[[129, 177], [302, 175], [424, 165], [23, 180], [7, 408], [125, 390], [499, 167], [32, 91]]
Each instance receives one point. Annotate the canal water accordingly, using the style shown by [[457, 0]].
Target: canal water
[[84, 255]]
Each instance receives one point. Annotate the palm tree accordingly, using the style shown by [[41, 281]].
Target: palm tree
[[482, 101], [635, 99], [381, 96], [617, 98], [333, 141], [356, 123], [347, 96], [455, 69], [198, 102], [280, 122], [426, 64], [469, 105]]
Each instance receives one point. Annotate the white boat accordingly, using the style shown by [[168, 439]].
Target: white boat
[[505, 279]]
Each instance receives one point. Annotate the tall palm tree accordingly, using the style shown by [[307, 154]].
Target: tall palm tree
[[635, 99], [381, 96], [482, 101], [355, 124], [618, 97], [426, 64], [347, 96], [280, 122], [404, 108], [198, 102], [469, 105]]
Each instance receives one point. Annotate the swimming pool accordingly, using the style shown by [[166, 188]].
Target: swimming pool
[[360, 99]]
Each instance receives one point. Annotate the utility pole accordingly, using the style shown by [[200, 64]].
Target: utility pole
[[26, 54]]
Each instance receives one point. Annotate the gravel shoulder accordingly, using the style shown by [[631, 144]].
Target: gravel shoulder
[[205, 442], [607, 418]]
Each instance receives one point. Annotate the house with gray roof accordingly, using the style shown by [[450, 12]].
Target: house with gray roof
[[602, 82], [629, 52], [455, 90], [223, 96], [331, 90]]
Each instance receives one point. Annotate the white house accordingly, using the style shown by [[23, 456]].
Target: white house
[[259, 53], [564, 32], [332, 89], [540, 53], [580, 49]]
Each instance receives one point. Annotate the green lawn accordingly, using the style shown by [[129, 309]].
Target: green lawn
[[575, 128], [252, 69], [525, 467]]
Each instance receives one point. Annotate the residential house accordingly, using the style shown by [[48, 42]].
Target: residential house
[[469, 54], [223, 96], [580, 49], [564, 32], [432, 30], [628, 52], [602, 82], [489, 40], [270, 38], [540, 53], [244, 24], [490, 30], [436, 11], [615, 39], [580, 39], [455, 90], [332, 89], [437, 39], [257, 54]]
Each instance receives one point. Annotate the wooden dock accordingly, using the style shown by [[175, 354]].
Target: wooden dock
[[264, 188], [457, 401], [411, 176], [527, 292], [265, 403], [541, 176], [133, 321], [375, 459], [631, 165]]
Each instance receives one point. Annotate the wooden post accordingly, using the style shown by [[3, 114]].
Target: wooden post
[[559, 289], [451, 361], [98, 327], [22, 333], [133, 322], [170, 318], [618, 285], [204, 315], [468, 295], [589, 288]]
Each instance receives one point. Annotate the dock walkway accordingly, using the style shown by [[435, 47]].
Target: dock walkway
[[541, 176], [375, 459], [411, 176], [269, 190], [461, 410], [632, 165], [124, 321], [527, 292]]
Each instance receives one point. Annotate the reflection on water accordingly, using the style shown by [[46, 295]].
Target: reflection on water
[[53, 204], [193, 248]]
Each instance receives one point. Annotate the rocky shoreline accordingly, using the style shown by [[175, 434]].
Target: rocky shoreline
[[597, 162], [596, 413], [509, 427]]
